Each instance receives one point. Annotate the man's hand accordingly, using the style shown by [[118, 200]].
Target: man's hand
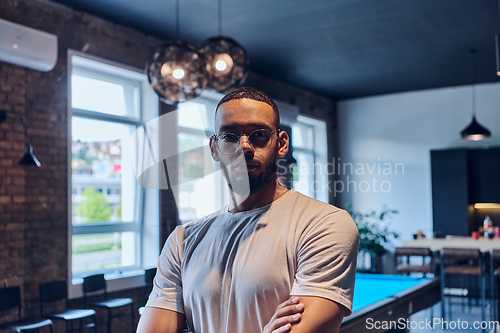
[[286, 314]]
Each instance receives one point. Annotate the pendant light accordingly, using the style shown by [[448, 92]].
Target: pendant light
[[474, 131], [226, 60], [176, 71], [28, 158]]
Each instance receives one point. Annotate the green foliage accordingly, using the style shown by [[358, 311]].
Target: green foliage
[[374, 234], [119, 210], [86, 248], [94, 207]]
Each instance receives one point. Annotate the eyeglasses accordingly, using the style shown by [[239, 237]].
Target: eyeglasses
[[259, 140]]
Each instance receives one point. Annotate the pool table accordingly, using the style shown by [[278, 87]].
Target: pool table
[[388, 298]]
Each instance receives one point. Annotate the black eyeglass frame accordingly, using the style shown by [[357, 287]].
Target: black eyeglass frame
[[216, 138]]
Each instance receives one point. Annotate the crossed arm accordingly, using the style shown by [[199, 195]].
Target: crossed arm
[[320, 316], [315, 315], [311, 315]]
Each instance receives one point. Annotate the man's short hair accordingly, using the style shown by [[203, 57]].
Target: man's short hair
[[251, 93]]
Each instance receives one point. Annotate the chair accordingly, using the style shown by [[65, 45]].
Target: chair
[[97, 284], [10, 298], [149, 275], [494, 280], [406, 268], [55, 291], [464, 263]]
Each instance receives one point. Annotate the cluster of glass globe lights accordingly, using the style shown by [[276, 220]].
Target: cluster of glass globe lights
[[179, 72]]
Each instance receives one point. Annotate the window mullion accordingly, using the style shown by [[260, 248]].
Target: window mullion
[[105, 117], [98, 228]]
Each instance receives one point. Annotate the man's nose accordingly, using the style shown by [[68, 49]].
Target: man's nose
[[245, 144]]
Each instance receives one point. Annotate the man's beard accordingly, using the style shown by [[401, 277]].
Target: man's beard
[[249, 183]]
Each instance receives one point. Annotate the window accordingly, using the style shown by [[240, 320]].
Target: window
[[114, 221], [196, 176], [310, 151]]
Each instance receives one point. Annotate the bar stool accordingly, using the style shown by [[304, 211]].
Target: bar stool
[[494, 280], [463, 262], [406, 253], [97, 284], [149, 275], [55, 291], [10, 298]]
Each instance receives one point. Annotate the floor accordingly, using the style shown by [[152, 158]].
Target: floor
[[462, 318]]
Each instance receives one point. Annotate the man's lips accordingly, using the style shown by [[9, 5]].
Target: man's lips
[[245, 167]]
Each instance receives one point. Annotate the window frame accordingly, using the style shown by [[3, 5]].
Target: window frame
[[319, 154], [211, 97], [126, 277]]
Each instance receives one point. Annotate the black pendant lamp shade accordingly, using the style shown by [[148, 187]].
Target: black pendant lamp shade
[[475, 131], [28, 158], [176, 72], [227, 62]]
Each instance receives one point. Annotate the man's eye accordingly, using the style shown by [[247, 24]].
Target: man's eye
[[229, 137], [259, 134]]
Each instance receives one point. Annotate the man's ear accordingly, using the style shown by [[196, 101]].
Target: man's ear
[[213, 149], [283, 140]]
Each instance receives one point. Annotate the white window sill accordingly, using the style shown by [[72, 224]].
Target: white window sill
[[114, 282]]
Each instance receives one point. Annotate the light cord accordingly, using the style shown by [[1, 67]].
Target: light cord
[[473, 75], [220, 17], [177, 29], [25, 131]]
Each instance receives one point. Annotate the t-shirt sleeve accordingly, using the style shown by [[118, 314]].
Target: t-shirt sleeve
[[167, 284], [326, 259]]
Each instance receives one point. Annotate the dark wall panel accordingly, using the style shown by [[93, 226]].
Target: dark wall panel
[[450, 192], [484, 175]]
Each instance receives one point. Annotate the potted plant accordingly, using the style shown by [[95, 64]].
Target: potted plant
[[374, 235]]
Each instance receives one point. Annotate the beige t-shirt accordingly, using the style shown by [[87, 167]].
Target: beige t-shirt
[[228, 272]]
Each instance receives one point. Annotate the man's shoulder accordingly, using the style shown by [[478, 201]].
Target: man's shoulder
[[311, 204], [311, 211]]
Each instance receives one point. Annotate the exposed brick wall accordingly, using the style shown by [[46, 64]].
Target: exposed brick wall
[[34, 201]]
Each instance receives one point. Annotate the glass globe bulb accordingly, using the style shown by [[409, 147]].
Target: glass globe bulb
[[177, 72], [220, 65], [223, 63], [227, 62]]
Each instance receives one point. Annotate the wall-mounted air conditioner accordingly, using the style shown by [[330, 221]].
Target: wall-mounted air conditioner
[[27, 47]]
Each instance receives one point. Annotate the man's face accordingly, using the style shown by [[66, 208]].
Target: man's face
[[247, 167]]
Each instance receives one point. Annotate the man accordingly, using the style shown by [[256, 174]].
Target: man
[[273, 260]]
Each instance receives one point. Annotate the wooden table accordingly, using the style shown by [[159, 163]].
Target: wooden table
[[436, 244]]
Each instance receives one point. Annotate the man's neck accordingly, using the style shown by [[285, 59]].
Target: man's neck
[[267, 194]]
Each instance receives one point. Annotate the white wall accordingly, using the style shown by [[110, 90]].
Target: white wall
[[403, 128]]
